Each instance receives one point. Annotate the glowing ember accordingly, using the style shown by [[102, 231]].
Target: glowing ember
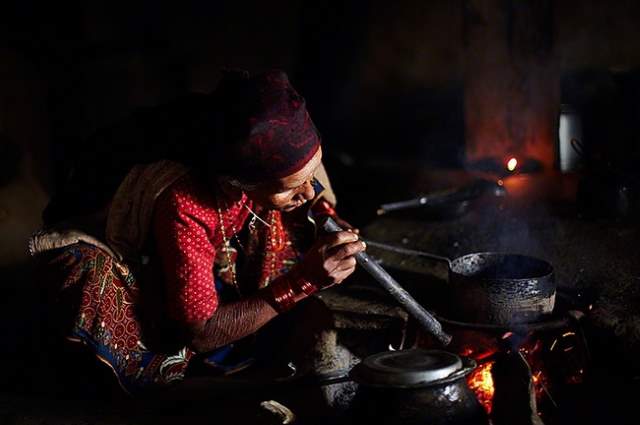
[[536, 377], [467, 352], [507, 335], [481, 382], [512, 164]]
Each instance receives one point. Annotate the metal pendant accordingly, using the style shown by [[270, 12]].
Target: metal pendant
[[252, 223]]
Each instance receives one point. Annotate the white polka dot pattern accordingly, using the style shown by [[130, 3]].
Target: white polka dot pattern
[[184, 224]]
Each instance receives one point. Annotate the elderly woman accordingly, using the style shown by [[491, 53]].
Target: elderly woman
[[192, 240]]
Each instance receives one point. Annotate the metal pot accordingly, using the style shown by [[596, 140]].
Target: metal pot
[[415, 387], [569, 139], [498, 288], [495, 288]]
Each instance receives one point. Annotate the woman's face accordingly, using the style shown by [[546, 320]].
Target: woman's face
[[288, 193]]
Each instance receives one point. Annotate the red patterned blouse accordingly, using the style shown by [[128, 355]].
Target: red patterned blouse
[[187, 232]]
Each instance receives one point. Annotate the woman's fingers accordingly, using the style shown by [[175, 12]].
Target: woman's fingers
[[343, 269], [346, 264], [339, 277], [332, 258], [340, 252], [338, 238], [342, 277]]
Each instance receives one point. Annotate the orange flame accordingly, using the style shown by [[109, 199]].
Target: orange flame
[[512, 164], [481, 383]]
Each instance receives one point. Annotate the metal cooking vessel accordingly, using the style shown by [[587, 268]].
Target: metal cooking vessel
[[493, 287], [569, 136], [415, 387], [498, 288]]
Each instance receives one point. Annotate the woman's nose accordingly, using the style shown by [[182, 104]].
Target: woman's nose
[[308, 192]]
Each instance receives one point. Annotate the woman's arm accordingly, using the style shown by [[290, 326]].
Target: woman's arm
[[328, 262], [231, 322]]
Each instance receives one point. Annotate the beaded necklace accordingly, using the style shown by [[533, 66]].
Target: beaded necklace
[[227, 248], [275, 242]]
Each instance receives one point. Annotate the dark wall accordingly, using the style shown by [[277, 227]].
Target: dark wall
[[398, 64], [382, 79], [354, 61]]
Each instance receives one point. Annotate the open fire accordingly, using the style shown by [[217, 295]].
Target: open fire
[[481, 382], [540, 354]]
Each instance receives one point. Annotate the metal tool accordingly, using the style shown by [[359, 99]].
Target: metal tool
[[463, 194], [426, 319]]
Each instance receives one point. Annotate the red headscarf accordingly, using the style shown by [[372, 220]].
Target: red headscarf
[[266, 130]]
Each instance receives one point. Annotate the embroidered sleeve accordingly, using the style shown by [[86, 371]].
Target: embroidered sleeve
[[184, 221]]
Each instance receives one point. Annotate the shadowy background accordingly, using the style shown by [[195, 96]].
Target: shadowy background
[[384, 82]]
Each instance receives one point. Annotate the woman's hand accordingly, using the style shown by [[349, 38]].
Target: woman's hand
[[331, 259], [345, 225]]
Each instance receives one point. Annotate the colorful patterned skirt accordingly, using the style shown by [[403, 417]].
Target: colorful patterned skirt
[[100, 304], [120, 315]]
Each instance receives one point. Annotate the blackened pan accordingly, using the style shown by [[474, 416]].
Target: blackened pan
[[495, 288], [445, 204]]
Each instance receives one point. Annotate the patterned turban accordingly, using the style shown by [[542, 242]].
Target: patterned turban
[[266, 132]]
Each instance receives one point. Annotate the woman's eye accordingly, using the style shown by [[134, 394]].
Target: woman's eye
[[285, 192]]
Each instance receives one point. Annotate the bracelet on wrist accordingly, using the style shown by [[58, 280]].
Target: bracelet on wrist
[[282, 295], [289, 289]]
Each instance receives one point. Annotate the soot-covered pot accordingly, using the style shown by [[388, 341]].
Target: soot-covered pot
[[416, 386], [501, 289]]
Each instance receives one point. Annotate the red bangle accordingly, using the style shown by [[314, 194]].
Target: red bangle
[[287, 289], [300, 284], [307, 287], [283, 295]]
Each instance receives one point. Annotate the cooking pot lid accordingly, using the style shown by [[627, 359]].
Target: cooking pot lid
[[406, 368]]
